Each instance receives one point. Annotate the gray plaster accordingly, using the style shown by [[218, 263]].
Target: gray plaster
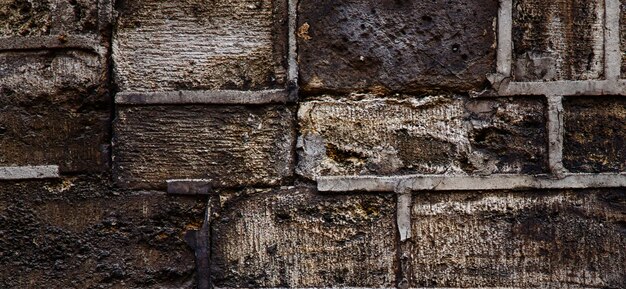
[[505, 42], [29, 172], [555, 135], [404, 213], [189, 187], [612, 56], [468, 183], [203, 97]]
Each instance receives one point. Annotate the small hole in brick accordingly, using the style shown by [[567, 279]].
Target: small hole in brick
[[456, 47]]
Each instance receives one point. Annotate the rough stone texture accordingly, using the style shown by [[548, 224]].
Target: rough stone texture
[[558, 40], [78, 233], [48, 17], [294, 237], [396, 45], [595, 134], [623, 36], [530, 239], [233, 145], [54, 110], [199, 44], [432, 135]]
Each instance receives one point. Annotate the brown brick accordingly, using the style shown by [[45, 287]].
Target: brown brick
[[500, 239], [232, 145], [396, 45], [199, 44], [78, 233], [53, 110], [595, 134], [558, 40], [48, 17], [431, 135], [297, 238]]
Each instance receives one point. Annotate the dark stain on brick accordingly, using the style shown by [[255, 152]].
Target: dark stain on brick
[[595, 134], [383, 46], [556, 40]]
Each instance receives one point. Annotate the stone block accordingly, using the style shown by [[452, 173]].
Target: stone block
[[79, 233], [232, 145], [49, 17], [200, 44], [396, 45], [54, 110], [558, 40], [595, 134], [295, 238], [429, 135], [518, 240]]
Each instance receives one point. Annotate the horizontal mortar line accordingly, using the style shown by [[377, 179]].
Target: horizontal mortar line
[[50, 42], [467, 183], [564, 87], [203, 97], [29, 172], [373, 287]]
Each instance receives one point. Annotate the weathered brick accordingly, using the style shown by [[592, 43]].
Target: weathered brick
[[297, 238], [622, 31], [48, 17], [79, 233], [200, 44], [396, 45], [529, 239], [53, 110], [432, 135], [233, 145], [558, 40], [595, 134]]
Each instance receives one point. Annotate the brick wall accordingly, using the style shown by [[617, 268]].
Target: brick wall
[[285, 143]]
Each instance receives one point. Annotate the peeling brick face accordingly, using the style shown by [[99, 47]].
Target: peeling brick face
[[431, 135], [396, 45], [53, 106]]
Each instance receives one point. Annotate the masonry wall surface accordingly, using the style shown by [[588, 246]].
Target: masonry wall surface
[[312, 144]]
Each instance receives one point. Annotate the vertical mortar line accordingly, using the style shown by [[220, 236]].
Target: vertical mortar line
[[403, 222], [106, 25], [612, 54], [555, 135], [505, 39], [292, 54]]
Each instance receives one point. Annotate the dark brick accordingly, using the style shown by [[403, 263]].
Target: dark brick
[[521, 240], [595, 134], [54, 110], [396, 45], [47, 17], [232, 145], [79, 233], [558, 40]]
